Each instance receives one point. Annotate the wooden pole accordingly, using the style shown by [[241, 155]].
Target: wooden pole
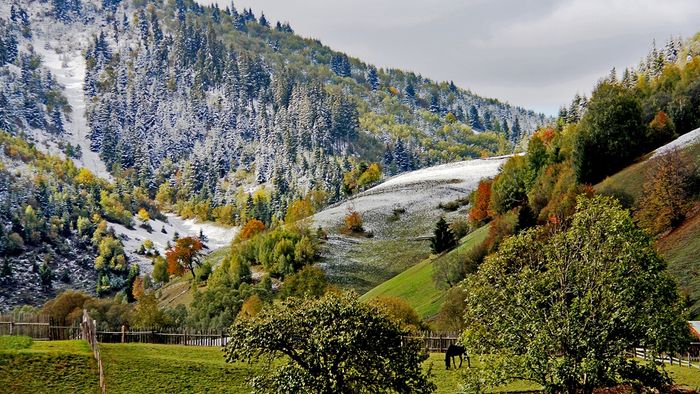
[[123, 333]]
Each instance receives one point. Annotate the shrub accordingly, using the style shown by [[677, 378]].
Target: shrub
[[354, 222], [310, 281], [401, 311], [460, 227]]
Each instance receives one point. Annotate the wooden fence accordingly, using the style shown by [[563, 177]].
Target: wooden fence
[[438, 342], [38, 327], [166, 336], [688, 360], [89, 334]]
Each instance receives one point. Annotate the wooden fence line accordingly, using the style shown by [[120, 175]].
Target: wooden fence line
[[38, 327], [89, 334], [666, 358]]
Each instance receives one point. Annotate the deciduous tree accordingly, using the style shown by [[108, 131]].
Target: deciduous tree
[[335, 344], [563, 308]]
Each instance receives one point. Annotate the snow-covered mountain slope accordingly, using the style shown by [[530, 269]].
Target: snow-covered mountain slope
[[62, 55], [400, 213]]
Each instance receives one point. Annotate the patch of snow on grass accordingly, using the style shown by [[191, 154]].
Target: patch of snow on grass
[[417, 192], [216, 236], [680, 142]]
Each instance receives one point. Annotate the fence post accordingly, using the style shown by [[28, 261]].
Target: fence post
[[10, 327], [123, 333]]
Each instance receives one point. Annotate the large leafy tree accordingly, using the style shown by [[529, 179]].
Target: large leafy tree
[[611, 133], [185, 255], [334, 344], [561, 308]]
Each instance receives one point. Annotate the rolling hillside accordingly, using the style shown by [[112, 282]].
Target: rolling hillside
[[416, 284], [400, 214]]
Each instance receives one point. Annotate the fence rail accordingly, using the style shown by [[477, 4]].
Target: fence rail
[[88, 333], [680, 360], [166, 336], [38, 327]]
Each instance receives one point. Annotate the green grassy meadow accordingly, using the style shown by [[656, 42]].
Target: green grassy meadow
[[416, 285]]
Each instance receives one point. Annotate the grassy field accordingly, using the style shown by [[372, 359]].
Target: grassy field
[[68, 367], [28, 366], [144, 368], [416, 285], [364, 265]]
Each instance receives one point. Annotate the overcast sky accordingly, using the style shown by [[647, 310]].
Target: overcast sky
[[532, 53]]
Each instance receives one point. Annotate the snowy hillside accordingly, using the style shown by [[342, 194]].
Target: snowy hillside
[[162, 233], [401, 214], [418, 192]]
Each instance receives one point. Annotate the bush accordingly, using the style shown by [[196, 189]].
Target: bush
[[460, 227], [354, 222], [310, 281], [401, 311]]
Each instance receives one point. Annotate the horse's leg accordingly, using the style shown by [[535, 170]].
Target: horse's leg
[[460, 360], [469, 362]]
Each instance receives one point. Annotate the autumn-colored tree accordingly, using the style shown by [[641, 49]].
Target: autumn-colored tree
[[251, 307], [372, 174], [479, 213], [184, 255], [660, 130], [667, 192], [298, 210], [250, 229], [354, 222], [137, 288], [143, 216], [67, 306]]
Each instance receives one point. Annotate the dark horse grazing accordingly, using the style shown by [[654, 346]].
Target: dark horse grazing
[[452, 352]]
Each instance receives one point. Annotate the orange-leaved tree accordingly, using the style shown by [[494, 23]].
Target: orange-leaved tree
[[250, 229], [479, 213], [186, 253]]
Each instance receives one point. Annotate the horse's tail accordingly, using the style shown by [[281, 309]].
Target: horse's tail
[[447, 360]]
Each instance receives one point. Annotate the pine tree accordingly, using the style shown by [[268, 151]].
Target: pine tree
[[373, 78], [263, 21], [474, 119], [443, 238], [57, 121], [515, 131]]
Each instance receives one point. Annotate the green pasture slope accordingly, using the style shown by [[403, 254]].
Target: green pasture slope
[[416, 285]]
